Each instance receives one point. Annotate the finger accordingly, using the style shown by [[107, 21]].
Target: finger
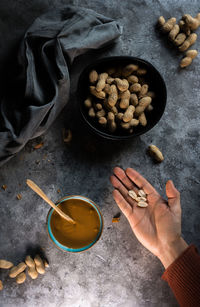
[[173, 196], [122, 204], [120, 173], [119, 186], [140, 181]]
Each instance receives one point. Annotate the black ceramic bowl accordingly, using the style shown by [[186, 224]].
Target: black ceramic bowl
[[153, 78]]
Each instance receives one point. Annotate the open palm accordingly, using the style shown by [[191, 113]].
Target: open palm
[[158, 224]]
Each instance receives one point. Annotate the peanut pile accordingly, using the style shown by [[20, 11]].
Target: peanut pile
[[119, 98], [34, 267], [182, 35]]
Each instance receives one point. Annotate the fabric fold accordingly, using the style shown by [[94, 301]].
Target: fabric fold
[[41, 89]]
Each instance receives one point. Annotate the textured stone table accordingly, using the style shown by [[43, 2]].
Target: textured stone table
[[118, 271]]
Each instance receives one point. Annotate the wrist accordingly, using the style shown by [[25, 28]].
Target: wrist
[[170, 252]]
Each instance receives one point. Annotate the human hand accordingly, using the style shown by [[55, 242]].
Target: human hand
[[158, 226]]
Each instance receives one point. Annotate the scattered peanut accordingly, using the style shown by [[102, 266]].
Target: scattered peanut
[[169, 24], [4, 264], [190, 55], [192, 23], [17, 269], [21, 278], [39, 264], [188, 42], [182, 34], [161, 21], [32, 272], [156, 153], [174, 32], [184, 27], [46, 264], [181, 37], [29, 262]]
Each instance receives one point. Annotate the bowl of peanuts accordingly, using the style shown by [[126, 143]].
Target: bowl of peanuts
[[121, 97]]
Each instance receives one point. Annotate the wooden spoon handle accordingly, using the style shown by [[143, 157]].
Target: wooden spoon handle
[[37, 190]]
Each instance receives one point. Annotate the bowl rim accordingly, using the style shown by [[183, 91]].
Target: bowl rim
[[112, 58], [63, 247]]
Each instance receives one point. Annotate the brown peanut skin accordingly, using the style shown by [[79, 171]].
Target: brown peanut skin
[[161, 21], [122, 84], [100, 95], [4, 264], [20, 279], [111, 122], [193, 23], [142, 119], [135, 88], [32, 272], [181, 37], [128, 115], [167, 27], [134, 99], [124, 102], [39, 264], [185, 62], [155, 152], [113, 96], [101, 82], [174, 32], [188, 42], [127, 70], [88, 103], [29, 262], [91, 112], [17, 269]]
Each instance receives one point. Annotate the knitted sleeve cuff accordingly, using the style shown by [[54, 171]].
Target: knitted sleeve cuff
[[183, 277]]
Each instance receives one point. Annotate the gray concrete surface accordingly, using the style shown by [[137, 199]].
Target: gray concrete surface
[[118, 271]]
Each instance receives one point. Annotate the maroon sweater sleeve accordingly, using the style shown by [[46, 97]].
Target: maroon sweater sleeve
[[183, 277]]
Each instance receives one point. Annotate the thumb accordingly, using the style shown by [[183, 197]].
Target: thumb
[[173, 196]]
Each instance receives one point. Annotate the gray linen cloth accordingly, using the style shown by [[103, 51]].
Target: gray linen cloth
[[41, 88]]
